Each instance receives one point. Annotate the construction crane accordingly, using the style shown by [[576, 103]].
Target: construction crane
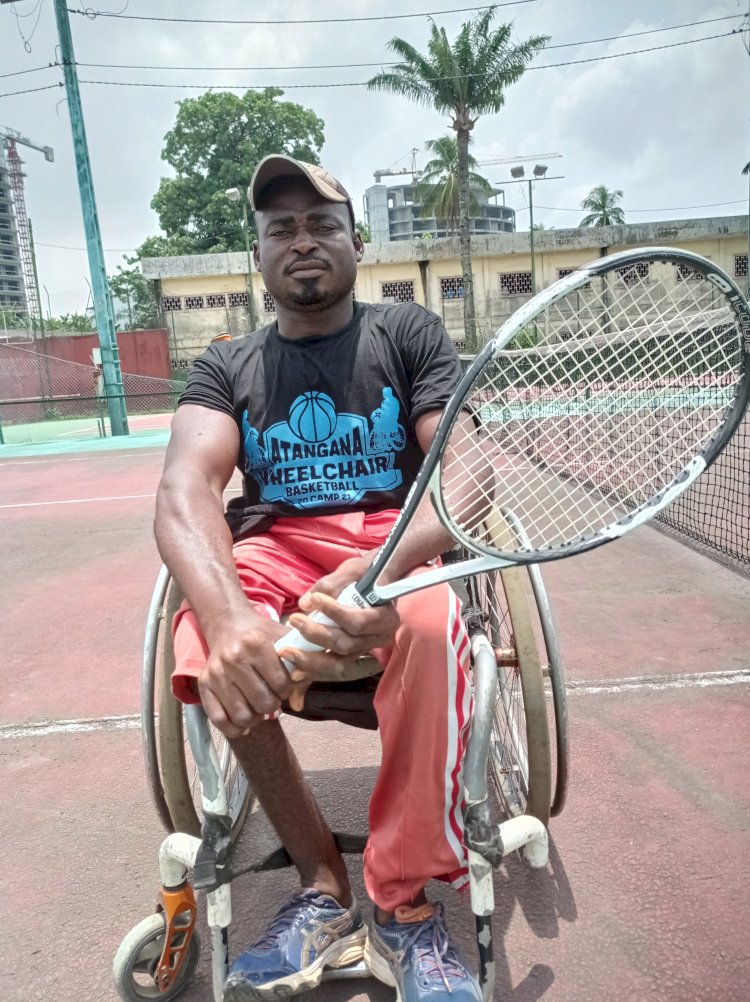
[[402, 170], [10, 139], [494, 162]]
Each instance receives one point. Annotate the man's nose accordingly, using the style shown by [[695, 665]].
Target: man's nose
[[304, 242]]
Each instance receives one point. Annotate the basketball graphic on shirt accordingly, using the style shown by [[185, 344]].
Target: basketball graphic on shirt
[[312, 416]]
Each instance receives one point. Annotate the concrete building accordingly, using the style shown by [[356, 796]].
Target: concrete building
[[395, 213], [205, 294], [12, 290]]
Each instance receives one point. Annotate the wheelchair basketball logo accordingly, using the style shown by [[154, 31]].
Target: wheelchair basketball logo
[[318, 456], [312, 417]]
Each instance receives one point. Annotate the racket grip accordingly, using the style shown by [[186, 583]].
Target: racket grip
[[349, 597]]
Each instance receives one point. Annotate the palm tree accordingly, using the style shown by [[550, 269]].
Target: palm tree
[[438, 184], [602, 206], [464, 80]]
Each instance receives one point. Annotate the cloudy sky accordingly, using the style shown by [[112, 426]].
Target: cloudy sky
[[670, 127]]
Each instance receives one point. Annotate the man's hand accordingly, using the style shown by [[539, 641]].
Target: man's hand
[[357, 631], [243, 678]]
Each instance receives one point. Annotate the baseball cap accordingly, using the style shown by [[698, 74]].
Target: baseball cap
[[276, 166]]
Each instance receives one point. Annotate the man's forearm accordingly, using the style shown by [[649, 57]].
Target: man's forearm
[[196, 545]]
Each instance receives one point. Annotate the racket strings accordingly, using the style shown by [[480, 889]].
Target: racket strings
[[597, 405]]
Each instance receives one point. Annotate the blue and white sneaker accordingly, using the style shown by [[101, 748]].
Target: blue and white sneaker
[[311, 931], [413, 953]]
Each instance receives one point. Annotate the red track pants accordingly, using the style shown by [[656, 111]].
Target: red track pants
[[423, 701]]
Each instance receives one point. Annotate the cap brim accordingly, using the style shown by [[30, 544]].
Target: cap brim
[[278, 165]]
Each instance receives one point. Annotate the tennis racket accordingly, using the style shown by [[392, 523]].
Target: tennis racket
[[597, 404]]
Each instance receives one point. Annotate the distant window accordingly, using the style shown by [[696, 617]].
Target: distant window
[[515, 283], [269, 303], [564, 272], [195, 302], [171, 303], [397, 292], [237, 299], [687, 274], [631, 274], [216, 299], [452, 288], [740, 265]]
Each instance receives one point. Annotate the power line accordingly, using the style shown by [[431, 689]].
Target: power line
[[107, 250], [20, 73], [673, 208], [344, 66], [93, 14], [364, 83], [32, 90]]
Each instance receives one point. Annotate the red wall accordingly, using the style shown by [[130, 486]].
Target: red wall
[[25, 373], [142, 353]]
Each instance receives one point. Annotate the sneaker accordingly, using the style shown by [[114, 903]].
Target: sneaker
[[413, 953], [310, 932]]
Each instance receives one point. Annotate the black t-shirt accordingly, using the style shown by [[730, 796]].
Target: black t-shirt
[[327, 423]]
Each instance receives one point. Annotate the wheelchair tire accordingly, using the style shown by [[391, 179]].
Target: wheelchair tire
[[520, 756], [179, 773], [153, 650], [554, 672], [170, 769], [136, 960]]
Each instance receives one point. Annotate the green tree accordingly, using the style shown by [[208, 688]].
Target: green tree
[[601, 205], [136, 294], [216, 142], [364, 231], [465, 79], [438, 188]]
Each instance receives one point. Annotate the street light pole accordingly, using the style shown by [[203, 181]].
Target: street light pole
[[531, 240], [234, 195], [517, 173]]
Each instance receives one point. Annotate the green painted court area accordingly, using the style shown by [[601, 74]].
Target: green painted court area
[[81, 434], [61, 428], [625, 403]]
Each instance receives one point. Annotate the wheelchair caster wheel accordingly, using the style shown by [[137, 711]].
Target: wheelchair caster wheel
[[136, 960]]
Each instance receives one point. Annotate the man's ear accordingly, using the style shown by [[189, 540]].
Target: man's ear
[[359, 247], [256, 254]]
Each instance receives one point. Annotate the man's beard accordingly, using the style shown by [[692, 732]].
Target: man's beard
[[311, 298]]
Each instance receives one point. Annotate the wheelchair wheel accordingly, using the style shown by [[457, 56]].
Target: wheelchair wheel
[[554, 673], [520, 756], [171, 770], [137, 959]]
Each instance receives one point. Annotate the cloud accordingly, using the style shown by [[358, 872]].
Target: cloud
[[667, 127]]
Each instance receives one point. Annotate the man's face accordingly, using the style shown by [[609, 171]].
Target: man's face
[[306, 249]]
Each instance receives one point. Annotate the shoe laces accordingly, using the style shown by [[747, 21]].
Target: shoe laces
[[434, 951], [284, 918]]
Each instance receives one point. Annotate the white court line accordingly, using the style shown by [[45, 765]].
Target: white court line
[[135, 453], [46, 504], [117, 497], [642, 683], [83, 725], [660, 683]]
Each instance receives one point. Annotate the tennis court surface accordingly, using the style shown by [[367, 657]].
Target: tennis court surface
[[646, 893]]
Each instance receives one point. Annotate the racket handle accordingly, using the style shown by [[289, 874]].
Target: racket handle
[[349, 597]]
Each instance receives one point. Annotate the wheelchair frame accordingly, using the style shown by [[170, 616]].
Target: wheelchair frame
[[509, 738]]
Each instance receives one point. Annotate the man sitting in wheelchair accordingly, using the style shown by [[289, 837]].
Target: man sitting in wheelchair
[[327, 412]]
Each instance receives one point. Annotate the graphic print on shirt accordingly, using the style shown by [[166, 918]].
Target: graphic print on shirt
[[319, 457]]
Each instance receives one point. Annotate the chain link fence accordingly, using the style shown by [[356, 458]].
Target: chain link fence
[[43, 398]]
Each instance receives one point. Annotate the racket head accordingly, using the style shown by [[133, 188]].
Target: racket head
[[599, 402]]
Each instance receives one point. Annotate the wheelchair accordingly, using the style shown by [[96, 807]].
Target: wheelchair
[[515, 766]]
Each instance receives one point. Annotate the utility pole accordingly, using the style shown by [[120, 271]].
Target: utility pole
[[103, 312]]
